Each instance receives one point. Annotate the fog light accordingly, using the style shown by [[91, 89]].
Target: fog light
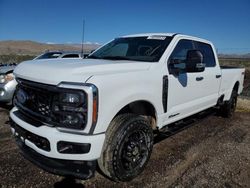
[[72, 148]]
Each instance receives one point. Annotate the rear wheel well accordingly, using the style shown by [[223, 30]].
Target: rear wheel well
[[143, 108], [236, 86], [221, 98]]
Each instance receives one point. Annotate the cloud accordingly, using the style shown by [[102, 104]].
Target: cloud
[[96, 43]]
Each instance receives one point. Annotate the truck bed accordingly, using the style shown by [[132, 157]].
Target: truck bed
[[230, 75]]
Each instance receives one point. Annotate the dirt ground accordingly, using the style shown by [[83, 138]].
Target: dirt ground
[[212, 153]]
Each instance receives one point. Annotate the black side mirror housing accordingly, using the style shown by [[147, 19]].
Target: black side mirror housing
[[194, 61]]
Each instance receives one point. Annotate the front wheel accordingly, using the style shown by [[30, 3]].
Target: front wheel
[[228, 108], [127, 148]]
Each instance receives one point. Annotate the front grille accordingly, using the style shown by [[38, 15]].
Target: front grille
[[38, 99], [44, 108], [42, 102]]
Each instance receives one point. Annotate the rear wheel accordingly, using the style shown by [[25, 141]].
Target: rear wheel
[[127, 149], [228, 108]]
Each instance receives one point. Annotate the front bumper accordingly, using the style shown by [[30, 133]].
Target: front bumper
[[78, 169], [54, 136], [7, 91], [49, 158]]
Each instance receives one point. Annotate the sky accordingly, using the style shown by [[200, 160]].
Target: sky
[[224, 22]]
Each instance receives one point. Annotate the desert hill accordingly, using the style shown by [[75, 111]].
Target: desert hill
[[26, 47]]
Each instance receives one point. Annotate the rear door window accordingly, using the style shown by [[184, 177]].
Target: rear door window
[[207, 53]]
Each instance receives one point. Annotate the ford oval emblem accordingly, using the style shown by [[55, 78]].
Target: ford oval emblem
[[21, 96]]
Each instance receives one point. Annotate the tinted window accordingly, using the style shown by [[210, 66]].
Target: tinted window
[[70, 56], [134, 48], [207, 53], [181, 49], [118, 50]]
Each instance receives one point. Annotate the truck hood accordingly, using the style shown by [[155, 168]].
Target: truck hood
[[54, 71]]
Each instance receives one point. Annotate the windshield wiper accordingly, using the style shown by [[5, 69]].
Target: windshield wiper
[[115, 58]]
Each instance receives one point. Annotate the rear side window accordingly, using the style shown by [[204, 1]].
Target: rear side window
[[207, 52]]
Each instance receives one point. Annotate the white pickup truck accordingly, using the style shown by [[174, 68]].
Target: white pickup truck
[[73, 114]]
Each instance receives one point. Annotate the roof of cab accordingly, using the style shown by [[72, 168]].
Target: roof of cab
[[150, 34], [168, 35]]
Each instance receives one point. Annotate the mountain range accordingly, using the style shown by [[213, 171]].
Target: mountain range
[[232, 56], [26, 47]]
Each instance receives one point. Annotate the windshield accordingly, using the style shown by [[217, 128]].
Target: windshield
[[133, 48]]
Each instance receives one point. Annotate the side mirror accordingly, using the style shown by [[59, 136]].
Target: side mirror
[[194, 61], [177, 66]]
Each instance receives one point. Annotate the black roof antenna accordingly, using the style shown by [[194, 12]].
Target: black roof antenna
[[83, 28]]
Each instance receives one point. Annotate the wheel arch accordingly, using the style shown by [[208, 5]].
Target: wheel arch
[[236, 86], [143, 108]]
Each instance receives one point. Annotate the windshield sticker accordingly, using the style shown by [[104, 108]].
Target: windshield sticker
[[157, 37]]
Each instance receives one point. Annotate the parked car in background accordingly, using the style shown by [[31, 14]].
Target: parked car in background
[[7, 79], [7, 83], [5, 64], [58, 54]]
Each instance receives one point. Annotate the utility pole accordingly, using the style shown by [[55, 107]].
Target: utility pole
[[83, 29]]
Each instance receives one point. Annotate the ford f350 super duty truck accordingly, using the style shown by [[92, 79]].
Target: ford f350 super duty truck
[[71, 115]]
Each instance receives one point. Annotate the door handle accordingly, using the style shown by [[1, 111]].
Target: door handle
[[218, 76], [199, 78]]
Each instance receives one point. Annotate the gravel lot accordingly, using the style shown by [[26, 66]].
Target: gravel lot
[[212, 153]]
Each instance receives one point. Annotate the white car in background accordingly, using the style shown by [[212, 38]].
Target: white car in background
[[59, 54], [7, 83]]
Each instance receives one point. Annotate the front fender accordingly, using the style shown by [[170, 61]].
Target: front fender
[[118, 90]]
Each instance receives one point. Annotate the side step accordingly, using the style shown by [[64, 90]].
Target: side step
[[181, 125]]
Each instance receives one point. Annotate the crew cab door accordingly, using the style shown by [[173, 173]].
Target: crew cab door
[[212, 75], [190, 92]]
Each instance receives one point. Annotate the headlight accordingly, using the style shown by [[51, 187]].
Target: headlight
[[70, 109], [71, 98], [4, 78]]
